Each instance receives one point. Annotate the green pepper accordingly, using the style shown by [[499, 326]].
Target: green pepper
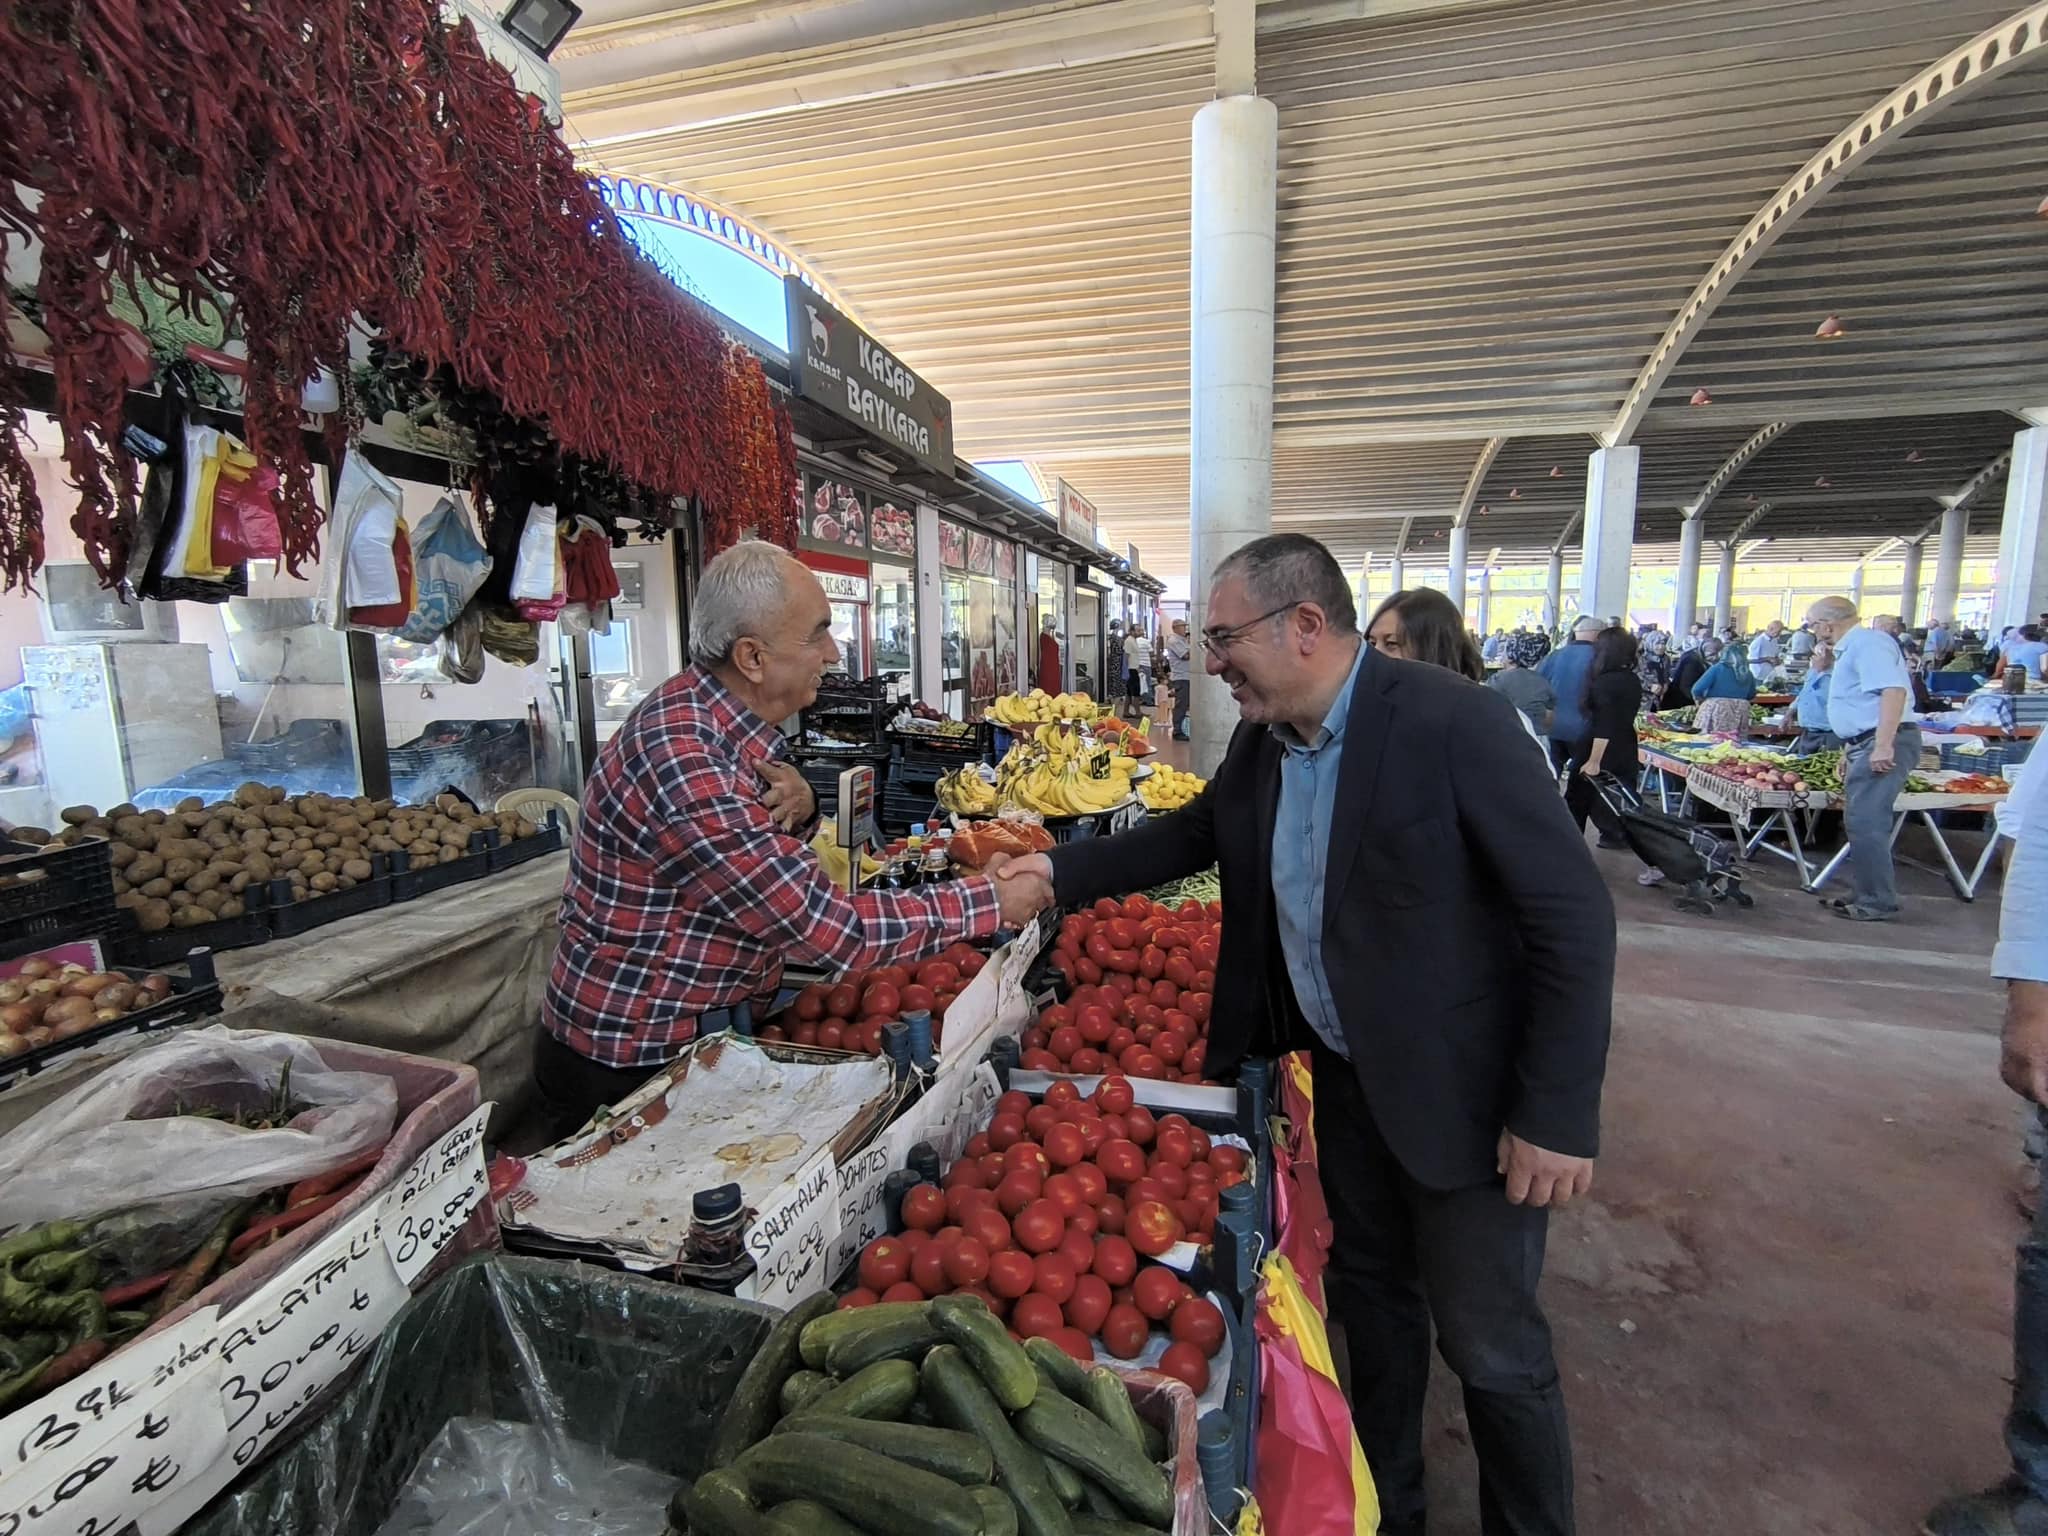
[[62, 1270], [49, 1236]]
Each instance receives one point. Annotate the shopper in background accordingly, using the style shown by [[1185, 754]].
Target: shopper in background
[[1138, 657], [1405, 898], [1425, 626], [1867, 708], [1768, 646], [1178, 648], [2019, 1506], [1613, 696], [1799, 645], [1691, 667], [1566, 670], [1113, 668], [689, 882], [1940, 643], [1810, 709], [1526, 688], [1052, 678], [1495, 647], [2025, 652], [1723, 694]]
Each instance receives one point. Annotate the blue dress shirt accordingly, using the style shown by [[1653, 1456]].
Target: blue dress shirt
[[1301, 856], [1867, 663]]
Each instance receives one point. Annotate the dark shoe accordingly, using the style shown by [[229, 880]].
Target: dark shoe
[[1857, 914], [1834, 903], [2007, 1510], [1608, 840], [2026, 1189]]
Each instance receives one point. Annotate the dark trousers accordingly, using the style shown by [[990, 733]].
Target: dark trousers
[[572, 1087], [1180, 706], [1405, 1256], [2026, 1425], [1585, 801]]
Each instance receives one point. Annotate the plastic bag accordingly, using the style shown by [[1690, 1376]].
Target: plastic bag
[[244, 515], [449, 564], [195, 486], [462, 647], [391, 615], [484, 1477], [536, 571], [509, 639], [120, 1138], [373, 555], [362, 492], [1312, 1476], [589, 577]]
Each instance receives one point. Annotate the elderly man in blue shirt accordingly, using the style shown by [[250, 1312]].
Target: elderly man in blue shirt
[[1869, 707], [2019, 1506]]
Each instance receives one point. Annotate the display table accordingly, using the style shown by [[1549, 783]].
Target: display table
[[1924, 807], [1668, 772], [456, 975]]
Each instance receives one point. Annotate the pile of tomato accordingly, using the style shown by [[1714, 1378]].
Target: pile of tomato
[[1141, 976], [850, 1014], [1049, 1216]]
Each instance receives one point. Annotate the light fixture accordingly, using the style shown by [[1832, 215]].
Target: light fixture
[[1484, 509], [1701, 397], [875, 460], [1914, 456], [541, 24], [1830, 329], [1514, 493], [1556, 473], [1821, 482]]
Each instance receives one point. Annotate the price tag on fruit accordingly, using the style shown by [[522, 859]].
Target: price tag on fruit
[[422, 1214]]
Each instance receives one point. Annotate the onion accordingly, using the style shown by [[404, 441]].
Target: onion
[[105, 1015], [33, 969], [65, 1011], [11, 1045], [157, 984], [71, 968], [41, 1035], [120, 997], [45, 986], [12, 992], [16, 1017], [88, 983]]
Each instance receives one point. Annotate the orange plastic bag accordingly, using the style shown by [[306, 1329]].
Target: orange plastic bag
[[1312, 1477]]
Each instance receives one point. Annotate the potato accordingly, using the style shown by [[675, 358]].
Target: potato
[[344, 883], [259, 866], [424, 848], [326, 840], [130, 900], [201, 880], [357, 869], [76, 815], [34, 836], [157, 889], [322, 882], [218, 841], [155, 818], [231, 908], [213, 901], [450, 853], [239, 881], [346, 826], [153, 916], [280, 816], [190, 917], [146, 866], [188, 804], [121, 855], [125, 808], [524, 828], [179, 870], [251, 794], [121, 886]]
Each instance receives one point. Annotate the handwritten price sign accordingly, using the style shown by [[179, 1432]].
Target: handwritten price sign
[[791, 1240], [436, 1197], [863, 1213], [105, 1487]]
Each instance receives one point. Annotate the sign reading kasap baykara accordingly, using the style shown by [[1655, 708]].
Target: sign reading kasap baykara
[[844, 369]]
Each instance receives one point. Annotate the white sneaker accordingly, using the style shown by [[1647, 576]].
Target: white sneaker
[[1650, 877]]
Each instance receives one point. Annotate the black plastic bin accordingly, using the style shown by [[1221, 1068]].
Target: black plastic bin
[[55, 897], [636, 1368]]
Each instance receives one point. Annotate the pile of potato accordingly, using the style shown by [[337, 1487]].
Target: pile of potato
[[191, 865]]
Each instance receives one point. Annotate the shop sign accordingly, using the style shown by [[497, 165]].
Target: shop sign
[[1076, 515], [842, 588], [843, 368], [1131, 559]]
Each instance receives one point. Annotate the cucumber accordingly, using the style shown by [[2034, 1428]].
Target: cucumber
[[1156, 1448], [958, 1457], [861, 1485], [1066, 1482], [1106, 1396], [895, 1338], [800, 1387], [720, 1503], [754, 1400], [805, 1517], [882, 1391], [998, 1514], [984, 1340], [1072, 1434], [1107, 1525], [818, 1334], [1067, 1373], [960, 1400], [1095, 1501]]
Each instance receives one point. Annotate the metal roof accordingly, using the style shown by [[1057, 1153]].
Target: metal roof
[[1488, 214]]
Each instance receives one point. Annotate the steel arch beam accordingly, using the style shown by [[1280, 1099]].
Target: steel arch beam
[[1571, 527], [1748, 524], [1932, 90], [1477, 479], [1973, 489], [1721, 478]]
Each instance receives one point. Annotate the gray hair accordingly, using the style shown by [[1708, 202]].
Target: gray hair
[[738, 595], [1832, 610], [1588, 625], [1293, 568]]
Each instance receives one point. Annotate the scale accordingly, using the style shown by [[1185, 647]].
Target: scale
[[856, 820]]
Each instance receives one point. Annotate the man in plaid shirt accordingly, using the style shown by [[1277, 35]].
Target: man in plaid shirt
[[689, 879]]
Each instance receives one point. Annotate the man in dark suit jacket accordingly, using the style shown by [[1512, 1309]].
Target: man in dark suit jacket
[[1404, 895]]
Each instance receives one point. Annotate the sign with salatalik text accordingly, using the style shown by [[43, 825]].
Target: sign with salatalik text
[[838, 365]]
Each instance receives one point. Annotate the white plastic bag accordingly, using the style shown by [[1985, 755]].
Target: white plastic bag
[[372, 566], [533, 573], [449, 564], [361, 492], [120, 1139]]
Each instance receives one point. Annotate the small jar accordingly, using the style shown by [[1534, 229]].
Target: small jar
[[717, 1217]]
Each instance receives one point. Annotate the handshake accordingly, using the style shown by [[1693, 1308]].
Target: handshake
[[1023, 886]]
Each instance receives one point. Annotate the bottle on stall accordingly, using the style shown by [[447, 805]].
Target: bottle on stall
[[936, 866], [716, 1217]]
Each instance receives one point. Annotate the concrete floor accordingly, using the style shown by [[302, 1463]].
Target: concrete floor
[[1785, 1308]]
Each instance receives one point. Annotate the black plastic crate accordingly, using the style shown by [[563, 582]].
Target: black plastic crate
[[504, 852], [50, 897], [289, 919], [939, 754], [408, 880], [192, 997], [903, 808], [131, 946]]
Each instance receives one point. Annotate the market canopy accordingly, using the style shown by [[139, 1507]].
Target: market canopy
[[1493, 221]]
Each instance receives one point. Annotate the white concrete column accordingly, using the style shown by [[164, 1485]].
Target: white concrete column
[[1909, 586], [1948, 566], [1553, 592], [1685, 602], [1485, 625], [1724, 588], [1856, 585], [1397, 570], [1610, 531], [931, 612], [1236, 145], [1461, 554], [2022, 592]]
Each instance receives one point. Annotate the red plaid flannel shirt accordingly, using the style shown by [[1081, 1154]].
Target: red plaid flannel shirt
[[684, 896]]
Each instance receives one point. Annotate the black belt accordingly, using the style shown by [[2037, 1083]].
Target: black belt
[[1859, 738]]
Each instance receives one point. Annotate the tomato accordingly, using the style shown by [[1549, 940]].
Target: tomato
[[1128, 1062], [842, 1001], [1192, 1063], [914, 1240], [1041, 1061], [1114, 1095], [966, 1174], [831, 1037], [1027, 1157], [1175, 1121], [1148, 1065], [772, 1033], [1158, 1290], [971, 963], [903, 1290], [1043, 1117], [1079, 1248], [1110, 1208], [1124, 1332], [1115, 1128], [1120, 1040], [1116, 1261], [1064, 1191], [1170, 1048], [1088, 970], [924, 1208], [1064, 1042], [1140, 1125], [810, 1003], [1062, 1093], [1124, 962], [1094, 1182], [1074, 1342], [1139, 906], [1095, 1024], [871, 1036], [1153, 1227], [1055, 1276], [1086, 1220], [859, 1296], [1005, 1131], [1172, 1146], [939, 976], [1198, 1139], [1064, 964], [990, 1228], [1089, 1304], [1196, 1321], [1180, 971], [1121, 1161], [804, 1034], [1064, 1145], [917, 999], [993, 1170], [957, 1203], [1225, 1158], [967, 1262], [1034, 1040], [1151, 962], [1017, 1191], [1171, 1178], [1086, 1061], [1080, 924], [1105, 909], [1185, 1362], [1193, 1214], [1196, 1006], [1039, 1227], [928, 1269], [1036, 1316], [1010, 1273], [1122, 933], [881, 1000]]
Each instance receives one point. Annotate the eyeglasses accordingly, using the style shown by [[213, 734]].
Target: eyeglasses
[[1219, 641]]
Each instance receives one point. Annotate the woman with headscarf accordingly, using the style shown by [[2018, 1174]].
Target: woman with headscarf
[[1691, 667], [1724, 694], [1527, 689]]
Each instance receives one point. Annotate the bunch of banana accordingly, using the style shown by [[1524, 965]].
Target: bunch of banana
[[833, 857], [1069, 791], [1168, 789], [966, 793], [1017, 711]]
